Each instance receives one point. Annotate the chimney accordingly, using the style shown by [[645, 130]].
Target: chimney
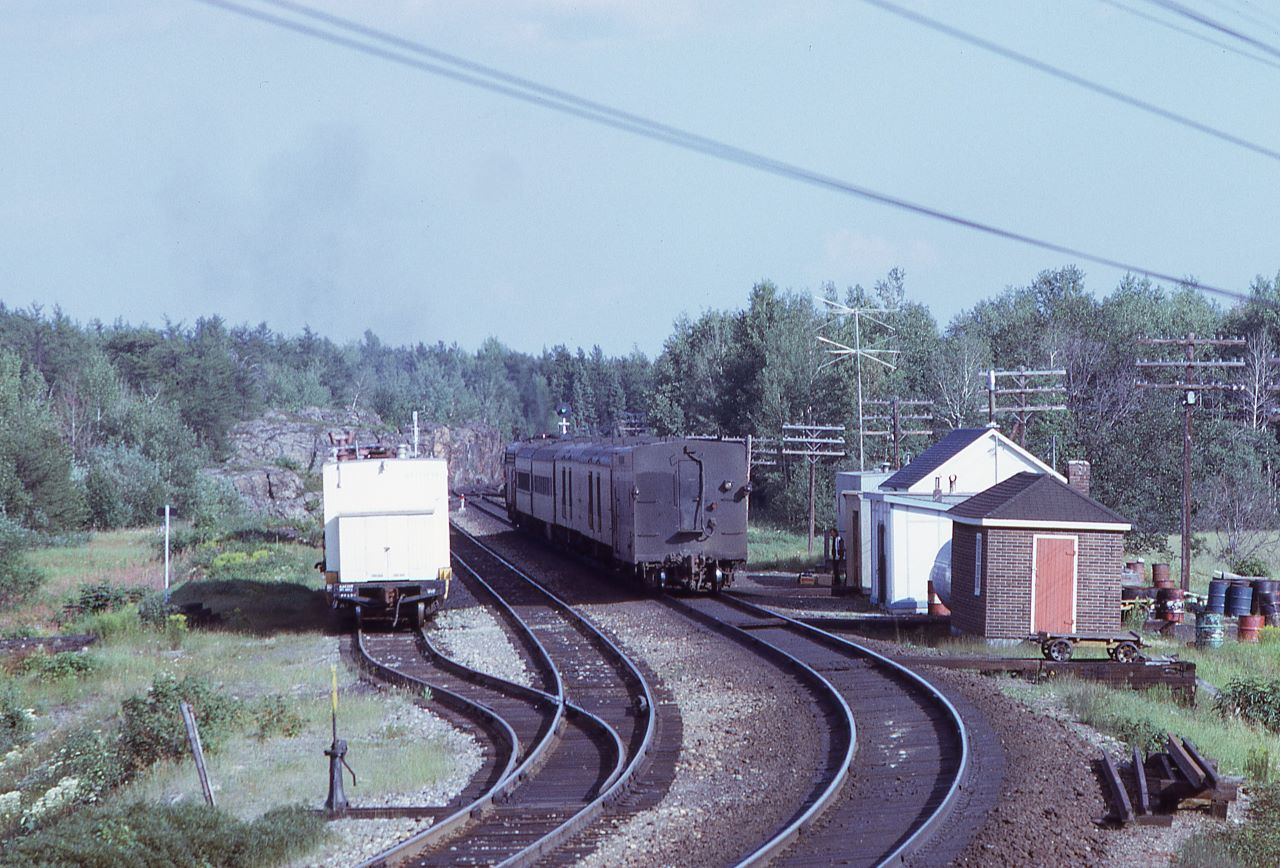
[[1078, 476]]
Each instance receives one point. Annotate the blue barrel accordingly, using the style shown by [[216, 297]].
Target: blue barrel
[[1217, 596], [1239, 599], [1262, 589], [1209, 630]]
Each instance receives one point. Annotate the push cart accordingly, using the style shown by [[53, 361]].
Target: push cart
[[1121, 647]]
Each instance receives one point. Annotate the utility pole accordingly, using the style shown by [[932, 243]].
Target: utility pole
[[1191, 385], [1027, 386], [857, 351], [813, 443], [894, 420]]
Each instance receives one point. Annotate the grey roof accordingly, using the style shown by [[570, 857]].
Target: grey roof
[[934, 457], [1035, 497]]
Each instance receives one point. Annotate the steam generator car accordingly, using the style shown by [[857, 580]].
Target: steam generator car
[[386, 533], [672, 512]]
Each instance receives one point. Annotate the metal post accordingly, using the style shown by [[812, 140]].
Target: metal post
[[1188, 403], [166, 552], [991, 396], [197, 752], [857, 343]]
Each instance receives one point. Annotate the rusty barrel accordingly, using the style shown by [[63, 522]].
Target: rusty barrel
[[1209, 630], [1160, 576], [1248, 627], [1170, 604], [1262, 589], [1239, 598]]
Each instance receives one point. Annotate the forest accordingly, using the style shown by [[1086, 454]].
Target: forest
[[102, 424]]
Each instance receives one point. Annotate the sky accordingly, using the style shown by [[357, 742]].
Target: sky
[[172, 160]]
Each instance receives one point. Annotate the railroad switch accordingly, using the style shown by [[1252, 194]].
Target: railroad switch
[[337, 754]]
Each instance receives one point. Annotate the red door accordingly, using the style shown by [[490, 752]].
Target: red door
[[1055, 580]]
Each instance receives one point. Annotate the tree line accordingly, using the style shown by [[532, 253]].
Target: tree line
[[101, 424]]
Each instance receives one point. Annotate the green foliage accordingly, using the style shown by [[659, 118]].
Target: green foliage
[[64, 666], [1256, 700], [119, 625], [156, 836], [15, 723], [275, 716], [103, 597], [152, 727], [1250, 566], [19, 579], [1257, 767], [1254, 844], [154, 610], [175, 630]]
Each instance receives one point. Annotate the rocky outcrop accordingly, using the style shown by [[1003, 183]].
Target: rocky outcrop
[[275, 460]]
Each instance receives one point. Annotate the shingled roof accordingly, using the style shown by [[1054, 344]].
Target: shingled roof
[[1035, 499], [934, 457]]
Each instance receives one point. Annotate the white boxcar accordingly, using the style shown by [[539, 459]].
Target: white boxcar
[[386, 536]]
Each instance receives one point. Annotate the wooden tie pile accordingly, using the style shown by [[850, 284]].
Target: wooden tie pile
[[1176, 778]]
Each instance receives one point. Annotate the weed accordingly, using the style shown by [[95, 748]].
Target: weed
[[144, 834], [120, 625], [175, 630], [1255, 700], [15, 721], [154, 610], [275, 716], [153, 729], [1269, 635], [19, 579], [63, 666], [1255, 844], [1258, 766]]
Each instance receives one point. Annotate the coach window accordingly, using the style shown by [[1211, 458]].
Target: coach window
[[563, 495], [591, 503], [599, 520]]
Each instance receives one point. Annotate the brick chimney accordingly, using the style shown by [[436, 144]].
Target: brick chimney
[[1078, 476]]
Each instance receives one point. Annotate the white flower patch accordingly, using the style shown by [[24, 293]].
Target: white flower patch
[[60, 794]]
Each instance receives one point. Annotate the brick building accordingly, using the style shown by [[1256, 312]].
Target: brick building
[[1033, 553]]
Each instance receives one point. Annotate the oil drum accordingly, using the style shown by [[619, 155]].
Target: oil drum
[[1239, 598], [1160, 576], [1209, 630], [1217, 596], [1248, 627], [1170, 604]]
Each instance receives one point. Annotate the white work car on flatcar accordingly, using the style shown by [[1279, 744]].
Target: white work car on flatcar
[[386, 536]]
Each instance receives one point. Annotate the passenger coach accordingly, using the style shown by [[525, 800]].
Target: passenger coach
[[672, 512]]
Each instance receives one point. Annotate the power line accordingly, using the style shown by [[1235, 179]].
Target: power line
[[1072, 78], [1212, 24], [1186, 31], [542, 96]]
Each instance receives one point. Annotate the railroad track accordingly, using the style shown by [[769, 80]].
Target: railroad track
[[560, 750], [906, 748]]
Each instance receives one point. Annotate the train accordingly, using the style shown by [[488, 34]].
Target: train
[[386, 533], [672, 512]]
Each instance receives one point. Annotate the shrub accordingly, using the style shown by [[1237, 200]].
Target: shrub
[[153, 729], [112, 626], [1254, 844], [147, 834], [1255, 700], [1250, 566], [273, 715], [154, 610], [19, 579], [175, 630], [15, 723], [83, 769], [63, 666]]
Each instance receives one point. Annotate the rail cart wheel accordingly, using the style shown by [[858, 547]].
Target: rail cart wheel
[[1058, 650], [1125, 652], [420, 615]]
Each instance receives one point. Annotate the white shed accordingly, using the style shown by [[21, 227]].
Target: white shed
[[908, 540]]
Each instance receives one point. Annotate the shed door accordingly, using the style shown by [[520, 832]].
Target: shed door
[[1054, 607]]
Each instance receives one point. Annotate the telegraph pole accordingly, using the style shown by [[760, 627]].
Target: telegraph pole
[[857, 351], [813, 443], [895, 418], [1027, 386], [1191, 385]]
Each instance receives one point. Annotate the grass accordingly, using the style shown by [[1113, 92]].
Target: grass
[[773, 548], [1204, 562], [271, 651]]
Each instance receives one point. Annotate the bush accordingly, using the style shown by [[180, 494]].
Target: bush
[[19, 579], [175, 630], [83, 769], [1250, 566], [1254, 700], [15, 723], [154, 610], [1254, 844], [153, 729], [273, 715], [147, 834], [112, 626], [59, 667]]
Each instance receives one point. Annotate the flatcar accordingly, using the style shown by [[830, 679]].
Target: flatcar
[[386, 533], [672, 512]]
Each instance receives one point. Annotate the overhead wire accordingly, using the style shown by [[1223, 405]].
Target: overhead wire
[[1194, 34], [526, 90], [1071, 77], [1214, 24]]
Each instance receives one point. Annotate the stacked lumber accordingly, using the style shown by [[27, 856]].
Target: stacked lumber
[[1164, 782]]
